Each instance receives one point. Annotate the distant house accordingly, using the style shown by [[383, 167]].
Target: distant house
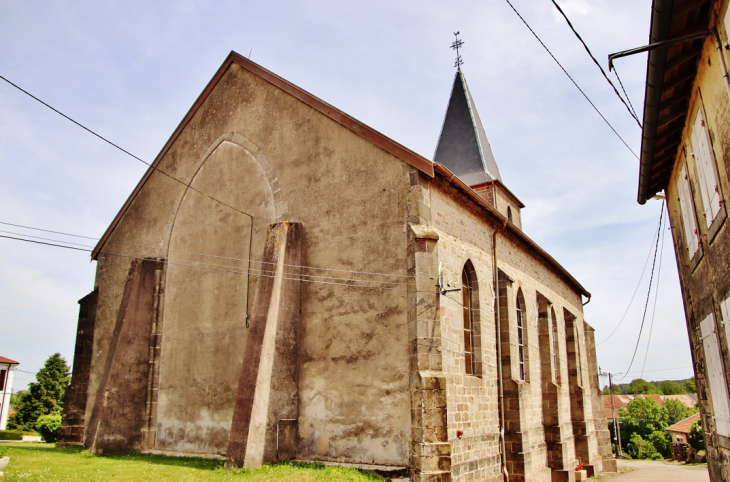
[[680, 430], [6, 388]]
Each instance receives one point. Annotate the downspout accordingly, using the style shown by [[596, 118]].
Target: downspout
[[500, 382]]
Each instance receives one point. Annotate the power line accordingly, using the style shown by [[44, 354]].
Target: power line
[[605, 76], [266, 273], [48, 231], [656, 296], [571, 79], [628, 99], [124, 150], [646, 263], [371, 273], [648, 297]]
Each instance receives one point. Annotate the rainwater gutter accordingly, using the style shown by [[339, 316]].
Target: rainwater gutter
[[503, 447]]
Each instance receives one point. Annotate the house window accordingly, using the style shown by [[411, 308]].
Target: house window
[[705, 164], [470, 302], [686, 206], [715, 377], [554, 351], [521, 339], [3, 375]]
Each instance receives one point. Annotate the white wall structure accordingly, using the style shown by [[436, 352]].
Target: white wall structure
[[7, 367]]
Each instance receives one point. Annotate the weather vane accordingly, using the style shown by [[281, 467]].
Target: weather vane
[[456, 45]]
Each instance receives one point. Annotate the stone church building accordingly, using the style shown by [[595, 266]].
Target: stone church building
[[287, 283]]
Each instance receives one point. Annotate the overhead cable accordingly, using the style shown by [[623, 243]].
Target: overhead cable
[[631, 301], [605, 76], [656, 296], [572, 80], [155, 168], [648, 297]]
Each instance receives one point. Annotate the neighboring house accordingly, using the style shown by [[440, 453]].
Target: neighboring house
[[287, 283], [685, 153], [7, 367], [680, 430]]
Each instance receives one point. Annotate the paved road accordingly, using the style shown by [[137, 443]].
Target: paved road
[[652, 471]]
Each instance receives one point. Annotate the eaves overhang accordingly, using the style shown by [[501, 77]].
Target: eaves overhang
[[419, 162], [670, 77], [449, 176]]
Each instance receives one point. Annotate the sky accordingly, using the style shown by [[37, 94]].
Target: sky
[[131, 70]]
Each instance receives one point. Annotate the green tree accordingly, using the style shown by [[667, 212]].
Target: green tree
[[676, 411], [44, 396], [616, 390], [642, 416], [671, 387], [696, 436], [48, 426], [641, 386], [690, 385]]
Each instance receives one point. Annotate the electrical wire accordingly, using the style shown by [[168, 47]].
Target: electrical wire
[[605, 76], [656, 296], [648, 297], [628, 99], [571, 79], [349, 282], [48, 231], [187, 185], [156, 248], [636, 290]]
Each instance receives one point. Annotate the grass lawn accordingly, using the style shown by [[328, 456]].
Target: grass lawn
[[44, 462]]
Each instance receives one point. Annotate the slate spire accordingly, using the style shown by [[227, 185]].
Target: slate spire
[[463, 146]]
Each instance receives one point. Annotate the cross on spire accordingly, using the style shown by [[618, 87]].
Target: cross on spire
[[456, 45]]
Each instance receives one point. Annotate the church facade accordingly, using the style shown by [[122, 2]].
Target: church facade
[[287, 283]]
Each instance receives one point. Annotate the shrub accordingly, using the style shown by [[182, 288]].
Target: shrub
[[48, 426], [12, 434], [661, 440], [639, 448], [696, 436]]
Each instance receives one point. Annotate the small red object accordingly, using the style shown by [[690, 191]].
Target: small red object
[[459, 433]]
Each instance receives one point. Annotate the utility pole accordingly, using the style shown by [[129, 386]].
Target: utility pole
[[616, 428]]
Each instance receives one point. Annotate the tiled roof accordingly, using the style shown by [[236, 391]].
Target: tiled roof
[[8, 360], [684, 425]]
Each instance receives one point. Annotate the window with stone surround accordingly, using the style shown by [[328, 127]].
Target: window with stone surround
[[471, 325], [521, 336]]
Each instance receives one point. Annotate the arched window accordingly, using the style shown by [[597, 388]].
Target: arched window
[[521, 338], [470, 301], [556, 367]]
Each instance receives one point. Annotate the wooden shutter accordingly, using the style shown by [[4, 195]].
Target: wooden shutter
[[715, 376], [704, 161], [686, 205]]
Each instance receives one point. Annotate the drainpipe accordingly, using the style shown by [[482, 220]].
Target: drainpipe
[[588, 300], [499, 353]]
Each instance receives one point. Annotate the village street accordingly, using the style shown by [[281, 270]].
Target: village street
[[652, 470]]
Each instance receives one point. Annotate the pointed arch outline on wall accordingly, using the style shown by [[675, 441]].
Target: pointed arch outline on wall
[[280, 206]]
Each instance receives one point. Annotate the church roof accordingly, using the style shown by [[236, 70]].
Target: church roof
[[463, 146]]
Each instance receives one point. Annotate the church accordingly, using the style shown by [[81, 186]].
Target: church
[[287, 283]]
